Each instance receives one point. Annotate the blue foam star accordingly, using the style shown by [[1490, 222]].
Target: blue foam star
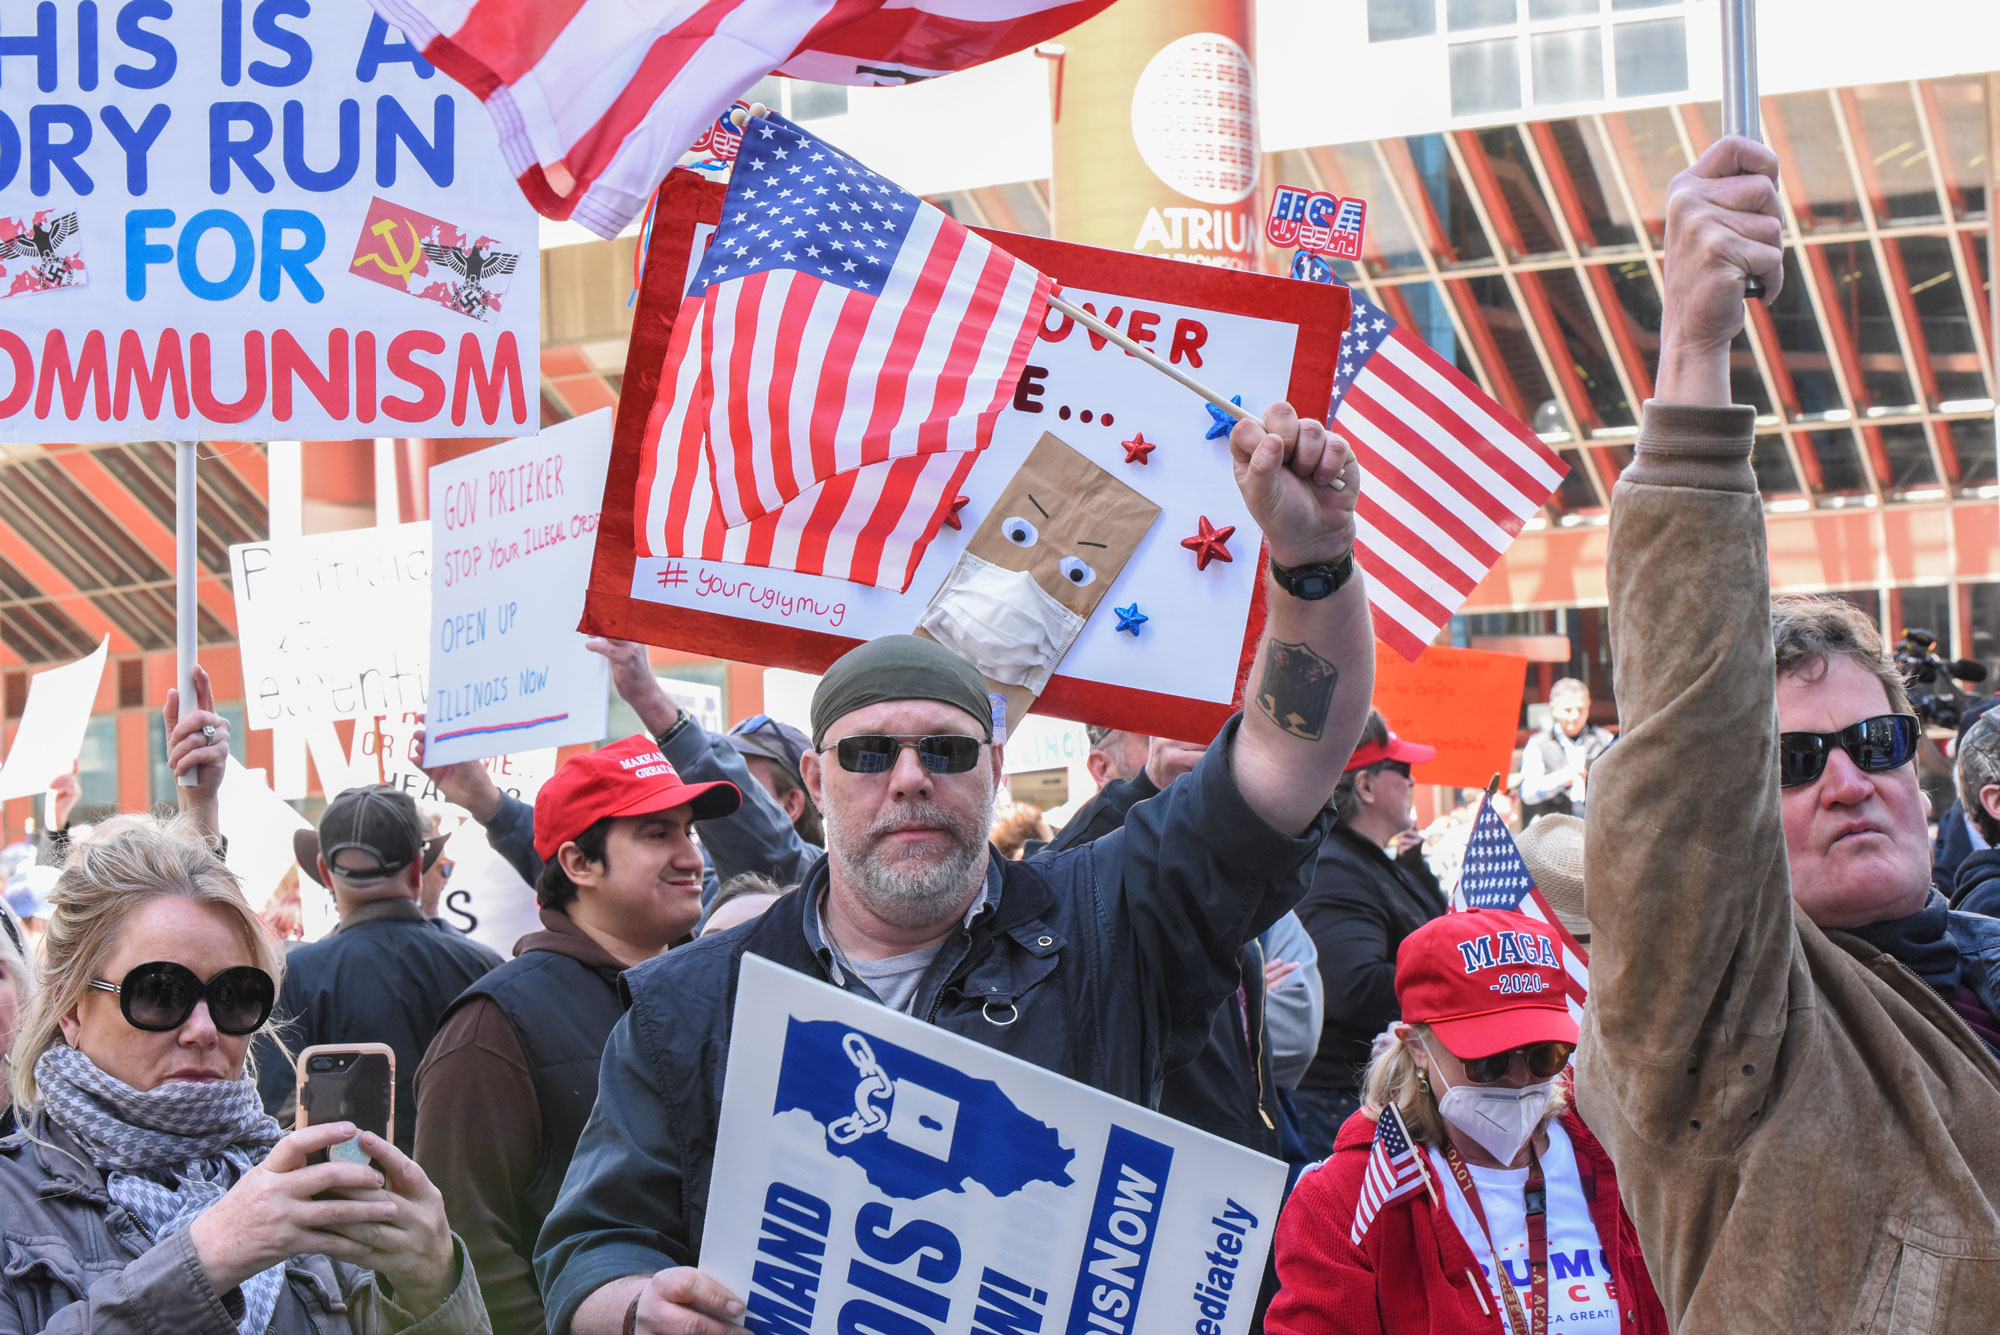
[[1130, 619], [1224, 423]]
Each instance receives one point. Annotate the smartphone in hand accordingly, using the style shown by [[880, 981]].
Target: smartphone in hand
[[348, 1082]]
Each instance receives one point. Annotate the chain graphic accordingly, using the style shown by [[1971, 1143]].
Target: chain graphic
[[873, 1085]]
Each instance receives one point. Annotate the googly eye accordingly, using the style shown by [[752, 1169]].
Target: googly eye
[[1019, 531], [1076, 570]]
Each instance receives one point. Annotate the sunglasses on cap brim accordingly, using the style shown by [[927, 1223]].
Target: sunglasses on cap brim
[[876, 753], [159, 996], [1875, 745]]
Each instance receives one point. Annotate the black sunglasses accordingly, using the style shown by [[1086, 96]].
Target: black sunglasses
[[160, 995], [876, 752], [1876, 745], [758, 722], [1545, 1062]]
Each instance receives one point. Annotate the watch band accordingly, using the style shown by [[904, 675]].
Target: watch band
[[680, 725], [1314, 582]]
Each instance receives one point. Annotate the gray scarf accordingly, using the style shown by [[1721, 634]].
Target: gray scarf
[[167, 1154]]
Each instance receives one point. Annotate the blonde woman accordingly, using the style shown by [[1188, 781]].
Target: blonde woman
[[17, 984], [1504, 1214], [159, 1195]]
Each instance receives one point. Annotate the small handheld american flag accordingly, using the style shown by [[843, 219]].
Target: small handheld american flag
[[1496, 877], [1395, 1169], [1453, 477]]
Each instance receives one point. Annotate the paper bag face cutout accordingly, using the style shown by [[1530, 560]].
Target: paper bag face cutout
[[1045, 555]]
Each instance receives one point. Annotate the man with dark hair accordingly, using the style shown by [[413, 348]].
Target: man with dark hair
[[1788, 1046], [1104, 964], [775, 753], [1363, 902], [385, 974], [502, 1093]]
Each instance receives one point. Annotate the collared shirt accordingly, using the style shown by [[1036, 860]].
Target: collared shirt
[[900, 976]]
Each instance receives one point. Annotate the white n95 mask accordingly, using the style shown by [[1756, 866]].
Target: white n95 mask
[[1501, 1119], [1002, 622]]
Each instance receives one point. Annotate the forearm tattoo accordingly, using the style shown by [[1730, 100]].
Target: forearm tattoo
[[1297, 689]]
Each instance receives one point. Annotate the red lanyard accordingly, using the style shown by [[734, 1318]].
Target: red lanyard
[[1536, 1204]]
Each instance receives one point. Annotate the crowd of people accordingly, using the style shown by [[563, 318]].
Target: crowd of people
[[1773, 1114]]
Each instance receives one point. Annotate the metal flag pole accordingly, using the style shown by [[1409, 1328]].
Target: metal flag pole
[[1739, 84], [184, 577]]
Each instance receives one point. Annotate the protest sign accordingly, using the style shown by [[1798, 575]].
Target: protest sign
[[257, 828], [333, 625], [251, 220], [1465, 702], [887, 1175], [1252, 336], [513, 527], [49, 737]]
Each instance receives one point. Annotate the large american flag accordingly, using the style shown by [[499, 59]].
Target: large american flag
[[839, 362], [1496, 877], [595, 100], [1452, 476], [1395, 1169]]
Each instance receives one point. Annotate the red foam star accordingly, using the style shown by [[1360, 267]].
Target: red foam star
[[951, 520], [1137, 448], [1209, 543]]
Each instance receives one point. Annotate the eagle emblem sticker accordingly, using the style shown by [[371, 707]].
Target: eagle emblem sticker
[[40, 252], [433, 260]]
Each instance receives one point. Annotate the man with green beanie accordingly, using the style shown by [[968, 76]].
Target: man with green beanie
[[1105, 964]]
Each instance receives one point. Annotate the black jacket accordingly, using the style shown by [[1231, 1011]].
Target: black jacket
[[385, 975], [1110, 961], [1361, 906], [1977, 887], [1103, 813]]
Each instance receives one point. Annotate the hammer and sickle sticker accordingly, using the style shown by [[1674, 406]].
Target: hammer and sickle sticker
[[396, 264]]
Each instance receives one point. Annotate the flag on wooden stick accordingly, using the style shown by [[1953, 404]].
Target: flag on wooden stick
[[839, 362]]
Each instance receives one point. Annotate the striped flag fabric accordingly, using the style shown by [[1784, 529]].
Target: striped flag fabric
[[1395, 1169], [1452, 477], [1496, 877], [838, 364], [595, 100]]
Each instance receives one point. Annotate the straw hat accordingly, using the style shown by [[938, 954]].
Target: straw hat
[[1552, 846]]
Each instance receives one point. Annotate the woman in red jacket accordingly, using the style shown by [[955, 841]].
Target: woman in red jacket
[[1495, 1163]]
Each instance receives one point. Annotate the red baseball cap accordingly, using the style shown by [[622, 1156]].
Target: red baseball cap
[[628, 778], [1485, 980], [1396, 748]]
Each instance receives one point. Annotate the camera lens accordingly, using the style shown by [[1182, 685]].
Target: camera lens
[[320, 1064]]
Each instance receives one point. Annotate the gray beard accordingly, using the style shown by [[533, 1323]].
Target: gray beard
[[911, 893]]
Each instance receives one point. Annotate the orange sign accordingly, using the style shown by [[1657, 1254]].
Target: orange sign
[[1465, 702]]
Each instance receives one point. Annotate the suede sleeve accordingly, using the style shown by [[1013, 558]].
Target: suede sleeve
[[1690, 900]]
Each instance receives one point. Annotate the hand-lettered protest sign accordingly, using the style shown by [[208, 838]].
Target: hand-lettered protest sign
[[50, 735], [1177, 671], [254, 193], [333, 625], [884, 1174], [1464, 702], [513, 528]]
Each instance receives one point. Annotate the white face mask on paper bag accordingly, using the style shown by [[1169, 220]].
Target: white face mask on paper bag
[[1501, 1119], [1002, 622]]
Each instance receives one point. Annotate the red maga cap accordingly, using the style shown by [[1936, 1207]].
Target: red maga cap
[[1485, 980], [628, 778], [1374, 753]]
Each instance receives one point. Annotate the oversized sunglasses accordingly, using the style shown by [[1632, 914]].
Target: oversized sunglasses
[[1544, 1061], [876, 752], [1876, 745], [160, 995]]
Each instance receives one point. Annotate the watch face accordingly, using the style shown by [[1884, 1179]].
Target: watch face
[[1315, 586]]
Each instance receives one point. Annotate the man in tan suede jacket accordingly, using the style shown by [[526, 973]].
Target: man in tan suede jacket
[[1782, 1049]]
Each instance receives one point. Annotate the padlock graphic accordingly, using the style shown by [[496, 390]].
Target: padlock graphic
[[923, 1120]]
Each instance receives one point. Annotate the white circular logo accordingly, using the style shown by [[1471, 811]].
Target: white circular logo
[[1194, 118]]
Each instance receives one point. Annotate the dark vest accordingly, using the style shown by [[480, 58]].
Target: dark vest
[[561, 1011], [1554, 758]]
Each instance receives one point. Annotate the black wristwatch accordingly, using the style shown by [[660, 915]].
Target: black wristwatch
[[1311, 583]]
